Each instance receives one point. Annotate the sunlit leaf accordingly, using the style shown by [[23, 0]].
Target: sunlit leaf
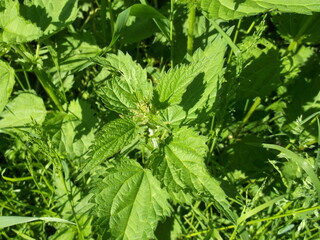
[[129, 88], [111, 139], [23, 110], [231, 9], [6, 83], [131, 201], [30, 20]]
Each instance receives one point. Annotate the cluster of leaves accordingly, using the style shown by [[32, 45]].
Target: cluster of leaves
[[128, 120]]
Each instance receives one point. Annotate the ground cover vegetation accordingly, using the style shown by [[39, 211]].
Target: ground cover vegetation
[[188, 119]]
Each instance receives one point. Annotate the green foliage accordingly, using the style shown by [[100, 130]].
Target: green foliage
[[131, 200], [6, 84], [229, 9], [22, 110], [113, 137], [34, 19], [159, 119]]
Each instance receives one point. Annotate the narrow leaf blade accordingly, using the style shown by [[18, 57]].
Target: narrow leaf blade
[[7, 221]]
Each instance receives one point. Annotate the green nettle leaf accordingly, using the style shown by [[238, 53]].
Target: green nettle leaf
[[202, 91], [113, 137], [174, 83], [131, 201], [193, 87], [173, 115], [14, 28], [34, 19], [182, 167], [128, 91], [22, 110], [6, 83], [182, 163], [231, 9], [118, 96]]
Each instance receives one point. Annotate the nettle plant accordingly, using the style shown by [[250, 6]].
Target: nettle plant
[[152, 159], [156, 154]]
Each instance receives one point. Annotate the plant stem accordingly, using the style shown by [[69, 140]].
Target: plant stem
[[234, 39], [48, 87], [233, 46], [43, 79], [171, 33], [294, 44], [248, 115], [103, 9], [112, 19], [70, 199], [191, 19]]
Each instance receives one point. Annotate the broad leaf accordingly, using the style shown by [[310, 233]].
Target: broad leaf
[[128, 92], [23, 110], [14, 28], [131, 201], [193, 87], [202, 94], [72, 132], [111, 139], [6, 83], [143, 11], [231, 9], [174, 83], [22, 22], [182, 167], [182, 163]]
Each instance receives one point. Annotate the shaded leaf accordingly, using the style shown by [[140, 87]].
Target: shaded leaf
[[72, 132], [14, 28], [262, 76], [144, 11], [297, 27], [194, 86], [173, 84], [71, 52]]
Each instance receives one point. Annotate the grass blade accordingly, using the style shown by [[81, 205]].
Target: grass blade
[[7, 221]]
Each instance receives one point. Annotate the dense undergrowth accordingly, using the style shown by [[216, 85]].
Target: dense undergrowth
[[159, 119]]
